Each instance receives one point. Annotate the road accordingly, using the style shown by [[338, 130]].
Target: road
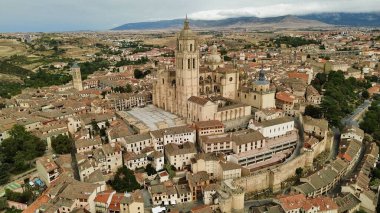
[[350, 119]]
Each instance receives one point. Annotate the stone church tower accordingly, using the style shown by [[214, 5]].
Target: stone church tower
[[187, 68], [77, 77]]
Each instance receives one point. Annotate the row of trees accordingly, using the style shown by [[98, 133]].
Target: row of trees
[[294, 41], [125, 62]]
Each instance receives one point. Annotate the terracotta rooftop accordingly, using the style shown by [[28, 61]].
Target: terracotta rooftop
[[285, 97]]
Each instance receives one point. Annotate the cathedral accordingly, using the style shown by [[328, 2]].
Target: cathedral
[[209, 90]]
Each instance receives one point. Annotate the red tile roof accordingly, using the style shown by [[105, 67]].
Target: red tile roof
[[37, 204], [298, 75], [285, 97]]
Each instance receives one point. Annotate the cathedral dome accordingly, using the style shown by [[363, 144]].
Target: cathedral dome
[[214, 56], [186, 32]]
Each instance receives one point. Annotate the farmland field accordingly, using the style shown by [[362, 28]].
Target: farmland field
[[9, 47]]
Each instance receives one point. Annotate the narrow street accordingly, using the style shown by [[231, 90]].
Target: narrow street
[[301, 139]]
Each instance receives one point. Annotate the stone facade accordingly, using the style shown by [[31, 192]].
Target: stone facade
[[207, 91], [77, 77]]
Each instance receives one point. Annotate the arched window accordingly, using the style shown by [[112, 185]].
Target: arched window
[[254, 97], [191, 47], [182, 63], [163, 81], [188, 63], [194, 63]]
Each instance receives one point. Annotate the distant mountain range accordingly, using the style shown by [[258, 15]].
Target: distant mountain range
[[304, 21]]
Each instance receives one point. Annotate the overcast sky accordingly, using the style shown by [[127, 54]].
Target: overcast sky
[[71, 15]]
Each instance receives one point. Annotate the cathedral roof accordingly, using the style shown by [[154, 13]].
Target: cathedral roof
[[198, 100]]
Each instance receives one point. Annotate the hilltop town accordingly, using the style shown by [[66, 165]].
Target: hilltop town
[[190, 121]]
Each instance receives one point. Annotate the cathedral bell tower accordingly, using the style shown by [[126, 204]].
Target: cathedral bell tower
[[77, 77], [187, 68]]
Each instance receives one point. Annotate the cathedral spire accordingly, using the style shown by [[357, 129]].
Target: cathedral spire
[[186, 24], [262, 73]]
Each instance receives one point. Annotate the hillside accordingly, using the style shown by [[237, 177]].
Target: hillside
[[305, 21]]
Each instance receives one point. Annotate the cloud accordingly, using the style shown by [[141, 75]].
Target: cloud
[[292, 8]]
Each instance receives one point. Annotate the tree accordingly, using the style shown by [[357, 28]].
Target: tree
[[138, 74], [299, 171], [371, 120], [125, 181], [95, 127], [104, 93], [4, 175], [150, 170], [313, 111], [107, 124], [21, 197], [227, 58], [18, 151], [223, 51], [62, 144], [365, 94], [128, 88], [3, 203]]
